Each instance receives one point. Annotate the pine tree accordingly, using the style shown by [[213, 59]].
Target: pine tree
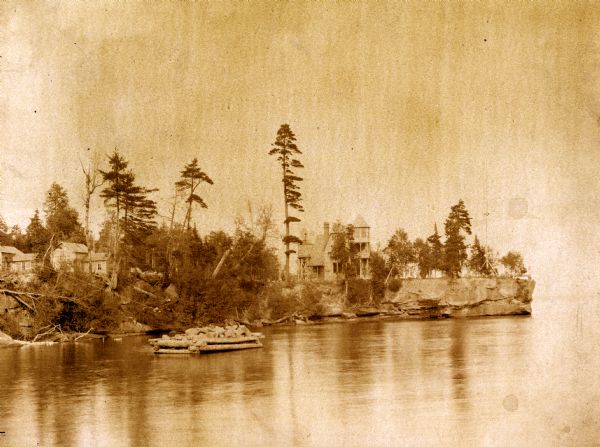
[[286, 150], [133, 211], [62, 220], [192, 177], [117, 178], [437, 250], [36, 235], [479, 262], [4, 236], [456, 226]]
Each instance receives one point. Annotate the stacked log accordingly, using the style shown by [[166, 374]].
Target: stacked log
[[207, 339]]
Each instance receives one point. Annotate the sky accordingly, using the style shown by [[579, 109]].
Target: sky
[[400, 110]]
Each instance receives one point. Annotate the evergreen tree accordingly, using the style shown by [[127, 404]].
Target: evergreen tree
[[456, 226], [480, 261], [62, 220], [4, 236], [17, 238], [436, 250], [117, 178], [192, 177], [286, 150], [36, 235], [133, 211]]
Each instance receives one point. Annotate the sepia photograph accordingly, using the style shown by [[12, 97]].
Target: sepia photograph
[[299, 223]]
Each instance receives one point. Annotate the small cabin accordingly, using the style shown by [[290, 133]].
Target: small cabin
[[76, 257]]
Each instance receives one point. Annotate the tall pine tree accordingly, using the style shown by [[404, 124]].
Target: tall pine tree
[[192, 177], [437, 250], [286, 150], [133, 211], [457, 225]]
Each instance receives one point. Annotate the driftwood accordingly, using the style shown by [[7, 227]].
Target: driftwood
[[173, 351], [220, 264], [169, 343], [294, 316], [48, 332], [84, 334], [16, 295], [138, 289]]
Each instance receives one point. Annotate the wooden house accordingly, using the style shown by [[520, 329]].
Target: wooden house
[[314, 257], [13, 259], [76, 257]]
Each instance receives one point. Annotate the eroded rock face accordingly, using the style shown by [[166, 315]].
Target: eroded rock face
[[463, 297], [5, 339]]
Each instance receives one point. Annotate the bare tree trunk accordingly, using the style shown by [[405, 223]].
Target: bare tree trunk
[[91, 183], [287, 227]]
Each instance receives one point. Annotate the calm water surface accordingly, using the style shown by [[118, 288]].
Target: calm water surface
[[489, 381]]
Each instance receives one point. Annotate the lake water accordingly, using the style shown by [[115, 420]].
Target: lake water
[[486, 381]]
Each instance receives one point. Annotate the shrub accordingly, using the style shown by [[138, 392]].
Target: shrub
[[359, 291], [9, 324], [281, 305], [395, 284], [311, 299]]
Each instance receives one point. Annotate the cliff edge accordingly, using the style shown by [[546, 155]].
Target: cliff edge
[[463, 297]]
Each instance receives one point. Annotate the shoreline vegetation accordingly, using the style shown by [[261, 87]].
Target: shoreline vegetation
[[150, 310], [136, 275]]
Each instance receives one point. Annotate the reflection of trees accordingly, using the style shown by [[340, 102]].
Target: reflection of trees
[[460, 384], [115, 393]]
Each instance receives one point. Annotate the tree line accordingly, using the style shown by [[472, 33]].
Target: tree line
[[452, 256], [133, 239]]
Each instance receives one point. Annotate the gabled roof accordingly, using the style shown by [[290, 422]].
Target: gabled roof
[[317, 255], [10, 249], [359, 222], [73, 247], [314, 252], [23, 257], [94, 257]]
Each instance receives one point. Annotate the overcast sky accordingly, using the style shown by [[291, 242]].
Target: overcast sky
[[401, 109]]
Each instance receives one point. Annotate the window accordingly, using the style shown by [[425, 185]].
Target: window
[[336, 267], [99, 266]]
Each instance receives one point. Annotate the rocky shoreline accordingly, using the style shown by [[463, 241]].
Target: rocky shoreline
[[415, 299]]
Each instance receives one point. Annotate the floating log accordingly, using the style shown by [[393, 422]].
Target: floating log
[[173, 351], [229, 347], [165, 343], [229, 340]]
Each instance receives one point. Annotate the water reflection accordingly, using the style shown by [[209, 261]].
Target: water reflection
[[458, 369], [376, 383]]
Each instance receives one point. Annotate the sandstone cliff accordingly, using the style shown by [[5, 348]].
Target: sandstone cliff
[[463, 297]]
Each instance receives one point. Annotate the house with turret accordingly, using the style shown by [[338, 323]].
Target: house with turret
[[314, 256]]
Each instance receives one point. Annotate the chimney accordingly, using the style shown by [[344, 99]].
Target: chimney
[[326, 230]]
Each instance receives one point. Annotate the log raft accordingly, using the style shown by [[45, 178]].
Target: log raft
[[208, 339]]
